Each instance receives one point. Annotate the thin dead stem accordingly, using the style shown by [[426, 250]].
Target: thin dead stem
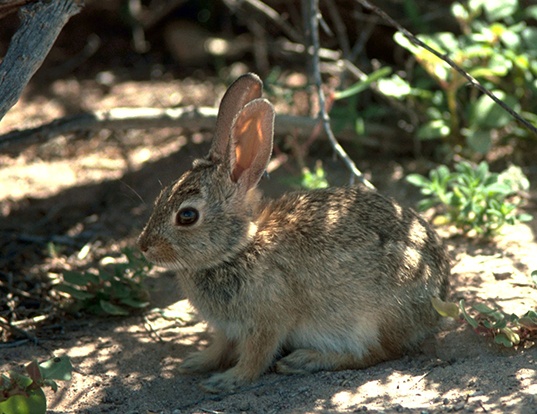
[[323, 114]]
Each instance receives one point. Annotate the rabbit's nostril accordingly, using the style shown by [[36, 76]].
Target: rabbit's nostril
[[142, 245]]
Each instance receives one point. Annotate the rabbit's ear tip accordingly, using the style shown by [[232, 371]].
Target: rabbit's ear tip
[[251, 76]]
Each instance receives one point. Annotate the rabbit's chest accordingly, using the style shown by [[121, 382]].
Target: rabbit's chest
[[216, 293], [218, 285], [224, 313]]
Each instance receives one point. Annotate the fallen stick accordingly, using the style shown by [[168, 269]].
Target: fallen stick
[[189, 118]]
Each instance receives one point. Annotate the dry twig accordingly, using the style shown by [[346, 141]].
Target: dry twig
[[271, 14], [323, 114], [189, 118]]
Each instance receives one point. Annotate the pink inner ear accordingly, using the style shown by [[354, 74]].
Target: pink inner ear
[[249, 136]]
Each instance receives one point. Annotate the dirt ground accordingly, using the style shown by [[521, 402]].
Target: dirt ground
[[98, 190]]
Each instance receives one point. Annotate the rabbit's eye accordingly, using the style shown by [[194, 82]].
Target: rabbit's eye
[[186, 216]]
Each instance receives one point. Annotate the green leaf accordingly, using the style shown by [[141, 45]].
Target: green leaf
[[531, 314], [51, 383], [528, 323], [522, 218], [475, 5], [501, 323], [105, 276], [485, 113], [499, 9], [437, 128], [510, 39], [514, 178], [74, 292], [483, 308], [133, 303], [315, 179], [443, 42], [512, 336], [459, 11], [121, 291], [112, 309], [502, 339], [534, 276], [473, 323], [479, 141], [359, 125], [363, 84], [5, 383], [497, 188], [446, 42], [58, 368], [35, 403], [80, 279], [418, 180], [426, 204], [22, 381], [403, 41], [487, 324], [395, 86], [531, 12], [446, 309]]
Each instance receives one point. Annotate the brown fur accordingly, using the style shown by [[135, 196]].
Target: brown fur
[[342, 278]]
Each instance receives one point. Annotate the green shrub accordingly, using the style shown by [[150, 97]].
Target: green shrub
[[117, 290], [474, 199], [507, 330], [23, 393], [498, 48]]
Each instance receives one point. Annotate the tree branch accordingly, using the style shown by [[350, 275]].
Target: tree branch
[[189, 118], [41, 24], [271, 14], [323, 114]]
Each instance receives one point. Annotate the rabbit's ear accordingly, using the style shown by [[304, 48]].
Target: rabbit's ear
[[251, 147], [245, 89]]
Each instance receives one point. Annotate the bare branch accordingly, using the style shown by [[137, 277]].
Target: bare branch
[[189, 118], [272, 14], [41, 24], [323, 114], [341, 30], [474, 82]]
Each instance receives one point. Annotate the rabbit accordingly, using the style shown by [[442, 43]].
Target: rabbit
[[329, 279]]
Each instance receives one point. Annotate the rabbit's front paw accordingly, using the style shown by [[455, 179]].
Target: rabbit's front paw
[[300, 361], [198, 363], [223, 382]]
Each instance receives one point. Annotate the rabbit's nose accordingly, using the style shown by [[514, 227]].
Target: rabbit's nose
[[142, 244]]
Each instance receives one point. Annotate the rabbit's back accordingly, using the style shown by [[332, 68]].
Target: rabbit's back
[[353, 229], [353, 263]]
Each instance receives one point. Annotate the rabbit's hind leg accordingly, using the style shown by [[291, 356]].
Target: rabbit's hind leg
[[302, 361]]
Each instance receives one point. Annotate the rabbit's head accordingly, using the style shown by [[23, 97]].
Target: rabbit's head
[[205, 217]]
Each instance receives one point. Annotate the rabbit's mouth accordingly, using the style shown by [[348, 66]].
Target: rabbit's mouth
[[162, 255], [172, 263]]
